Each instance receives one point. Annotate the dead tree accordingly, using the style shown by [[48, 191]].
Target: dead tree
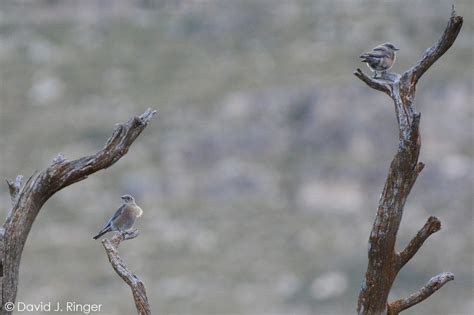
[[384, 262], [135, 284], [28, 199]]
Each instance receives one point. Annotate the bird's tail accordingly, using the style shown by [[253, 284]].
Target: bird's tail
[[103, 231]]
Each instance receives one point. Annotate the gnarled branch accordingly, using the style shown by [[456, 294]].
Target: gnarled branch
[[135, 284], [384, 263], [42, 185], [431, 287]]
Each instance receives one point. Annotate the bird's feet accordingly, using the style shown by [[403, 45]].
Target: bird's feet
[[127, 235], [390, 76]]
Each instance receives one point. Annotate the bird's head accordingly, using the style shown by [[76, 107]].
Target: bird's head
[[390, 46], [128, 198]]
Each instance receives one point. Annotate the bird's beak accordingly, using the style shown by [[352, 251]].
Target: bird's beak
[[123, 197], [396, 49]]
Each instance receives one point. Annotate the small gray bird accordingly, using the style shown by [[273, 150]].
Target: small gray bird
[[124, 218], [381, 58]]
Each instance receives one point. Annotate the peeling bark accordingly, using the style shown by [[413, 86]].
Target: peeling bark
[[384, 262]]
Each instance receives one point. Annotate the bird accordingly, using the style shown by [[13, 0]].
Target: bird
[[381, 58], [124, 218]]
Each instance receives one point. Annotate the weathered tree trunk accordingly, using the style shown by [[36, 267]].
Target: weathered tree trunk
[[28, 199], [384, 262]]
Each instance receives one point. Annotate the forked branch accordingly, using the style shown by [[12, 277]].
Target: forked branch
[[384, 263]]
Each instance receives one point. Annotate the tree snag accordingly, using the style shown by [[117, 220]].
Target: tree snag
[[137, 286], [384, 262], [28, 199]]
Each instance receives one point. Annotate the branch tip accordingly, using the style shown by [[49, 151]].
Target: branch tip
[[432, 225], [14, 187], [147, 115], [433, 285], [438, 49], [419, 167]]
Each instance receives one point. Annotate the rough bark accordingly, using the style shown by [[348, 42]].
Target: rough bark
[[28, 199], [384, 262], [135, 284]]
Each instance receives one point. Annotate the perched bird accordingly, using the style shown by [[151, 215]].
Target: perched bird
[[124, 218], [381, 58]]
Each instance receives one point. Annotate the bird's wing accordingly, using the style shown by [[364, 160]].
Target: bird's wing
[[379, 48], [380, 54], [116, 214], [374, 54], [377, 52]]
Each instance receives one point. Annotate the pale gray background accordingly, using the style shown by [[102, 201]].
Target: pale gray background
[[261, 175]]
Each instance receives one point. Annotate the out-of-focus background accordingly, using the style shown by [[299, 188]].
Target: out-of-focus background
[[261, 175]]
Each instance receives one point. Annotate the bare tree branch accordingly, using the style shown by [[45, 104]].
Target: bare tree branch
[[373, 83], [135, 284], [383, 261], [431, 226], [42, 185], [431, 287], [438, 49]]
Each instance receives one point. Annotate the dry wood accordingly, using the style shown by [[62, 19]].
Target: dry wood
[[384, 262], [135, 284], [28, 199]]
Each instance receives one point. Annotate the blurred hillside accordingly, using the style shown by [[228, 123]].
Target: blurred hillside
[[260, 176]]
